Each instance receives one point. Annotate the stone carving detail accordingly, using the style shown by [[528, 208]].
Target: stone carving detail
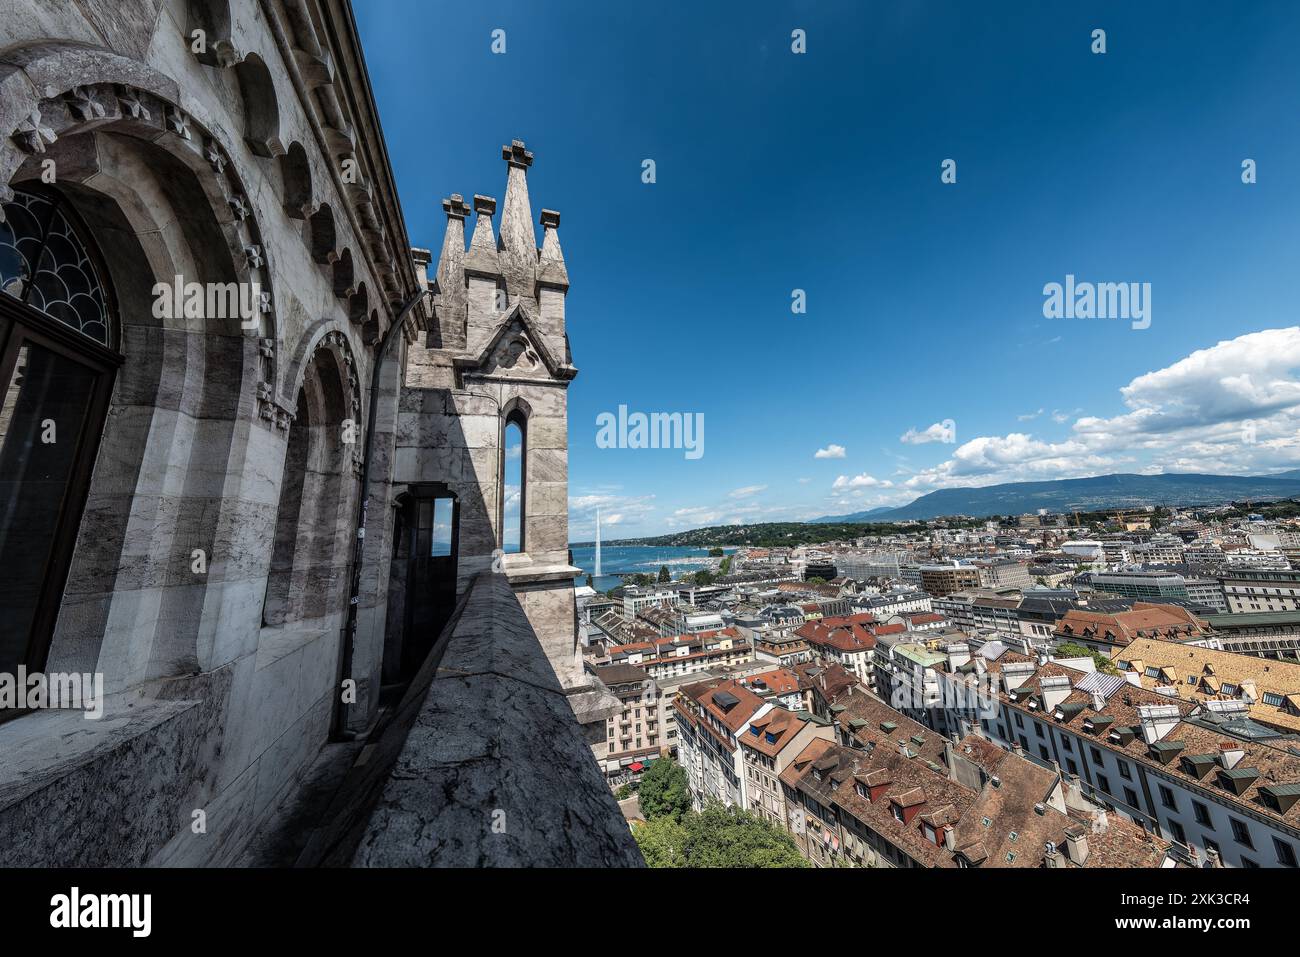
[[132, 104], [520, 352], [32, 134], [84, 105], [178, 122], [215, 157]]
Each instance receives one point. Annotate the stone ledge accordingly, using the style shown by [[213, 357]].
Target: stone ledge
[[495, 771], [524, 573], [79, 774]]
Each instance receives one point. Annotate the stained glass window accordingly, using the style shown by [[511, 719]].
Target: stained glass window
[[44, 263]]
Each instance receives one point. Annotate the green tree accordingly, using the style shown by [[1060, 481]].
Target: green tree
[[816, 581], [718, 836], [724, 566], [721, 836], [716, 553], [704, 577], [664, 575], [1069, 649], [590, 583], [661, 842], [664, 790]]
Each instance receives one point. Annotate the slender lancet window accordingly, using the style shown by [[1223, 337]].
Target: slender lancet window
[[512, 489], [57, 361]]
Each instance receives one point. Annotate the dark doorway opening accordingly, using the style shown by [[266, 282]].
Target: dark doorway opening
[[422, 579]]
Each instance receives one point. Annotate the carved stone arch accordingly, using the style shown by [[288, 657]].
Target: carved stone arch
[[296, 181], [345, 276], [306, 580], [127, 152], [54, 90], [326, 335], [261, 107], [216, 46], [324, 236]]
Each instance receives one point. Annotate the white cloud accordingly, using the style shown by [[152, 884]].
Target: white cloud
[[615, 509], [1030, 416], [1233, 408], [830, 452], [748, 490], [1249, 377], [861, 481], [934, 433]]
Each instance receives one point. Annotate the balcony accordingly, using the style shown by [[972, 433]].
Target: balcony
[[484, 764]]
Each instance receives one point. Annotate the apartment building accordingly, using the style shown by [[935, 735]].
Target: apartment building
[[1207, 592], [633, 735], [1219, 785], [1141, 583], [899, 601], [981, 608], [772, 740], [711, 718], [1159, 550], [1107, 631], [941, 580], [982, 807], [636, 598], [743, 672], [1003, 575], [1268, 634], [781, 647], [778, 684], [664, 658], [1258, 590], [847, 641]]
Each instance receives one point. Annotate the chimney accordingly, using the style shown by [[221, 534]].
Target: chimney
[[1076, 844], [1158, 720], [1052, 856], [1098, 701], [958, 655]]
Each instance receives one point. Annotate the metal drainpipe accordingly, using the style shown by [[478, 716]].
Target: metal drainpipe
[[340, 731]]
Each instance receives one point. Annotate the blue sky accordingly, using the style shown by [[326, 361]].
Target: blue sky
[[821, 172]]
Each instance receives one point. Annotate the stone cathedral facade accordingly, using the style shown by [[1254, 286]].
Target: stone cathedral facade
[[191, 535]]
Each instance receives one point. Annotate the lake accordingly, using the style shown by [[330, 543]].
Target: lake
[[619, 560]]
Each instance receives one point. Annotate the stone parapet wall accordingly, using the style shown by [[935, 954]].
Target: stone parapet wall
[[496, 770]]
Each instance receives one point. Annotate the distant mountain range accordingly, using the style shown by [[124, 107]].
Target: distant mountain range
[[1085, 494]]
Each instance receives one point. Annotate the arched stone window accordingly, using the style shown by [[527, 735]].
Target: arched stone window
[[58, 357], [514, 478], [261, 109], [309, 554], [295, 175]]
